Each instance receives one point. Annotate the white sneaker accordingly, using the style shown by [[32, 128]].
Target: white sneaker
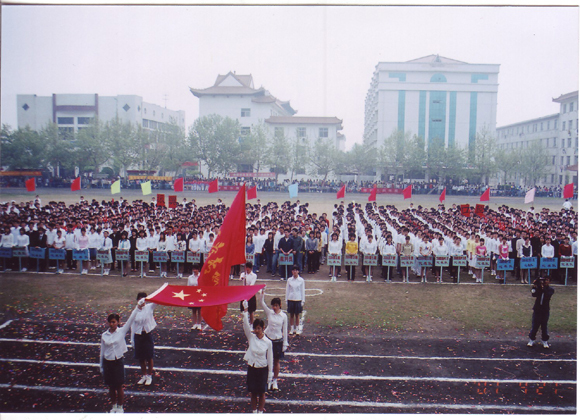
[[530, 343], [144, 274], [275, 385], [545, 344], [114, 409], [148, 380], [142, 380], [119, 409], [84, 272], [292, 331], [298, 331], [179, 275], [24, 269]]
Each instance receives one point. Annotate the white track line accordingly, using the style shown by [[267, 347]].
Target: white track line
[[301, 354], [362, 404], [355, 356], [6, 324], [310, 376]]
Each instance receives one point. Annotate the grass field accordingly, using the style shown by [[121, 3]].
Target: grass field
[[406, 310]]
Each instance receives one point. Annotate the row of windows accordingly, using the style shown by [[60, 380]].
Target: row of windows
[[570, 125], [301, 132], [570, 107], [71, 120], [153, 125]]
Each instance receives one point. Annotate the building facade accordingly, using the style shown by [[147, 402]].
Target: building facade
[[73, 112], [236, 97], [558, 135], [431, 97]]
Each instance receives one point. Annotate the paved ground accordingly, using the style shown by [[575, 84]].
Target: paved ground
[[52, 367]]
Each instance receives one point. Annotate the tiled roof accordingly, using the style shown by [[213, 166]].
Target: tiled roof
[[245, 79], [565, 96], [225, 90], [435, 58]]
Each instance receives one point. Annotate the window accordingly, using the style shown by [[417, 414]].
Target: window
[[571, 106], [541, 126], [279, 131], [570, 125], [301, 132], [563, 108], [561, 160], [84, 120], [567, 160], [323, 132], [547, 125], [245, 112], [552, 178], [570, 142], [245, 131], [66, 120], [553, 160], [554, 142], [563, 143], [146, 123], [153, 113], [563, 125], [152, 124]]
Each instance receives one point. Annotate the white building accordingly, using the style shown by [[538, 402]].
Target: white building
[[558, 135], [431, 97], [236, 97], [72, 112]]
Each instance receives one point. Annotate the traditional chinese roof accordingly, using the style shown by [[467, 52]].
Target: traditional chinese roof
[[436, 58], [305, 120], [565, 97]]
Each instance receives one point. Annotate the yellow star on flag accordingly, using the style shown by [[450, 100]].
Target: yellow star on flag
[[201, 300], [180, 295], [198, 290], [204, 294]]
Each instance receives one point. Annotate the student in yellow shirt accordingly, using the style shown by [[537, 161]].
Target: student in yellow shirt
[[351, 248]]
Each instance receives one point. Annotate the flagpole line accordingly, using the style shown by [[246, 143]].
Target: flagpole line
[[155, 293]]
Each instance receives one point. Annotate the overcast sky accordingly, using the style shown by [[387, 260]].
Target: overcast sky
[[319, 58]]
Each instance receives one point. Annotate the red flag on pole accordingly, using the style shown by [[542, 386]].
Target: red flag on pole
[[442, 196], [253, 192], [213, 186], [341, 192], [568, 191], [178, 185], [373, 196], [31, 184], [76, 184], [228, 249], [479, 208], [408, 192], [485, 195]]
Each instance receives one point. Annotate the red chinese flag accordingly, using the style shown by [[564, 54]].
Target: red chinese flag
[[178, 185], [172, 201], [479, 209], [30, 184], [408, 192], [228, 249], [160, 200], [253, 192], [568, 191], [341, 192], [76, 184], [213, 186], [484, 196], [442, 196], [373, 196], [465, 210], [202, 296]]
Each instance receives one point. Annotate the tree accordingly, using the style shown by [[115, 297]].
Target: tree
[[92, 148], [122, 143], [214, 140], [277, 155], [445, 162], [484, 155], [361, 160], [436, 158], [533, 163], [323, 158], [416, 158], [59, 152], [393, 151], [298, 156], [150, 147], [506, 162], [254, 147], [22, 149], [176, 147]]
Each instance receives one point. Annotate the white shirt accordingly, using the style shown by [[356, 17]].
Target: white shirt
[[425, 248], [113, 345], [367, 247], [295, 289], [334, 247], [144, 320], [440, 250], [192, 280], [277, 324], [547, 251], [196, 245], [7, 241], [248, 279], [259, 353]]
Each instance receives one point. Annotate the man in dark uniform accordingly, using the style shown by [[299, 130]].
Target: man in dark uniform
[[542, 291]]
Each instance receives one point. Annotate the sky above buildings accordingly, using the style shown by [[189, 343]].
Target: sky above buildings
[[320, 58]]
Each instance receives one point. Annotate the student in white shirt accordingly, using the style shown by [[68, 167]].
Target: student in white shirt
[[295, 298], [113, 347], [277, 332], [107, 245], [248, 278], [440, 250], [260, 361], [142, 339], [195, 310]]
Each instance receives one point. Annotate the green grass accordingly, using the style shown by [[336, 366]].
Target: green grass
[[430, 310]]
